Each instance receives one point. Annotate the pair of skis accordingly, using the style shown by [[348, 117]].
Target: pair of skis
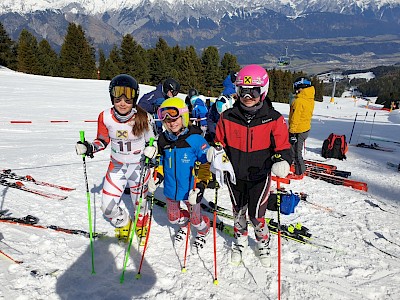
[[375, 146], [18, 183], [31, 221], [294, 233], [326, 168], [326, 172]]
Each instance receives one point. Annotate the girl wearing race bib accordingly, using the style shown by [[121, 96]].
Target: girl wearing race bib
[[127, 129]]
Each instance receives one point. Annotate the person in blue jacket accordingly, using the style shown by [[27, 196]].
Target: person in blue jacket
[[199, 112], [220, 105], [229, 86], [151, 101], [180, 147]]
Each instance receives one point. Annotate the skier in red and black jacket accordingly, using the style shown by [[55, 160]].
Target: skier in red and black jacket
[[255, 138]]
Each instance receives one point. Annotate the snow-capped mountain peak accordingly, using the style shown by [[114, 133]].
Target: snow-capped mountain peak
[[93, 7]]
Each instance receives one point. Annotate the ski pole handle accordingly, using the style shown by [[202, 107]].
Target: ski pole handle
[[82, 137], [151, 142]]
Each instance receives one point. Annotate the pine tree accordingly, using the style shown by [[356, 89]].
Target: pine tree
[[272, 83], [77, 56], [160, 62], [212, 74], [194, 73], [48, 59], [28, 53], [7, 57], [319, 89], [229, 63], [186, 72], [134, 59], [102, 64], [113, 64]]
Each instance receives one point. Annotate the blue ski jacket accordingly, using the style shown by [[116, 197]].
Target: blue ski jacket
[[178, 159], [229, 87], [200, 112]]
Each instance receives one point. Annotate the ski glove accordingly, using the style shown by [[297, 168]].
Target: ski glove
[[85, 148], [292, 138], [280, 167], [151, 151], [196, 195], [153, 184], [219, 164]]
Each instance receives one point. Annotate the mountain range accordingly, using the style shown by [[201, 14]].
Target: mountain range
[[318, 34]]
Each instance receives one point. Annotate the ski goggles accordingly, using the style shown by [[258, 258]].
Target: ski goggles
[[249, 92], [118, 91], [171, 112], [174, 93]]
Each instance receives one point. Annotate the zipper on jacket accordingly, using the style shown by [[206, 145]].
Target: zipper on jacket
[[176, 181], [170, 160], [251, 138], [247, 138]]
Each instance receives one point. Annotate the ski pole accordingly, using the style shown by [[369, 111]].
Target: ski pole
[[10, 258], [138, 275], [370, 134], [196, 172], [142, 179], [82, 136], [362, 126], [278, 199], [215, 233], [354, 123]]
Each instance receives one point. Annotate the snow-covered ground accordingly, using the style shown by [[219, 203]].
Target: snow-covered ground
[[45, 150]]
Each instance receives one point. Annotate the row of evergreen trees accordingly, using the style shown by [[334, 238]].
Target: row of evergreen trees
[[77, 59]]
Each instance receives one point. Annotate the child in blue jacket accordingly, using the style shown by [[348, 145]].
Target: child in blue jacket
[[180, 147]]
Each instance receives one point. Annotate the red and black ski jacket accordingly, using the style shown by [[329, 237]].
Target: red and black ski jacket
[[251, 145]]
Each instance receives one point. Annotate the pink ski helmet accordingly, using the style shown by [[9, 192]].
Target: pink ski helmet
[[253, 76]]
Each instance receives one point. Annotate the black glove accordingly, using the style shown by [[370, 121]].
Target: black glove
[[292, 138], [84, 148]]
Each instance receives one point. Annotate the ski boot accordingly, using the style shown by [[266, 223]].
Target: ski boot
[[200, 240], [142, 227], [239, 248], [123, 233], [264, 252], [180, 236]]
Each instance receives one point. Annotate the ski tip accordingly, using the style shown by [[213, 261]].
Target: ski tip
[[138, 276], [67, 189], [215, 282], [184, 270]]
